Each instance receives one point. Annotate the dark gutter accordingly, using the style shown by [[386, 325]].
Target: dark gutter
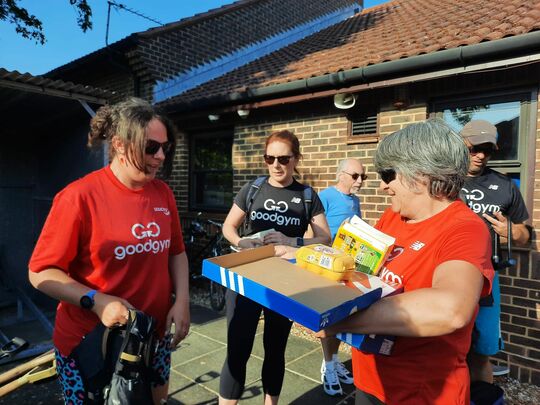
[[461, 56]]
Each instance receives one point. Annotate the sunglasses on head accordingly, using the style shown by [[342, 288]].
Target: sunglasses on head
[[387, 175], [152, 147], [485, 149], [355, 176], [283, 160]]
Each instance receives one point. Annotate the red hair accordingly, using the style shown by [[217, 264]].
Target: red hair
[[287, 137]]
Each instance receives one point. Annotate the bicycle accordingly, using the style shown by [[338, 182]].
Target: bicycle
[[214, 246]]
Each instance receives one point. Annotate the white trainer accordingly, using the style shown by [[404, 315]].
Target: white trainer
[[499, 370], [344, 375], [331, 383]]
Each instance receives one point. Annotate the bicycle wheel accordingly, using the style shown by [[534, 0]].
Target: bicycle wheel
[[217, 296]]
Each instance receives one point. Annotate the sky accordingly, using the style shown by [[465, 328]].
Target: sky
[[66, 41]]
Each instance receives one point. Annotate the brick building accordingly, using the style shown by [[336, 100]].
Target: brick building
[[404, 61]]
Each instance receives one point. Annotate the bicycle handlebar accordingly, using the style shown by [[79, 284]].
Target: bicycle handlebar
[[218, 224]]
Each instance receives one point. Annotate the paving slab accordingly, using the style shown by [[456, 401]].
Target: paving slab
[[197, 363]]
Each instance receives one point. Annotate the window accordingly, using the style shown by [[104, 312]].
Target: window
[[362, 124], [211, 172], [511, 114]]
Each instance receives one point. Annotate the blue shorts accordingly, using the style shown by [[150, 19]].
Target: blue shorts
[[72, 384], [488, 340]]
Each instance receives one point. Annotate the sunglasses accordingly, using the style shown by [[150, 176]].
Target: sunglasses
[[283, 160], [355, 176], [485, 149], [152, 147], [387, 175]]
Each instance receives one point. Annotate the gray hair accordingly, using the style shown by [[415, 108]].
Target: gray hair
[[341, 166], [430, 151]]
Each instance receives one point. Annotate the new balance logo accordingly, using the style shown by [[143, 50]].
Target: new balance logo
[[417, 245], [296, 200], [493, 187]]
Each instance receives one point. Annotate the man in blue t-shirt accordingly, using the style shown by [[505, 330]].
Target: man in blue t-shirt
[[497, 200], [340, 203]]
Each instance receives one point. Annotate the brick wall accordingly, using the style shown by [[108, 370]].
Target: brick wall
[[520, 316], [179, 180], [180, 47], [536, 196]]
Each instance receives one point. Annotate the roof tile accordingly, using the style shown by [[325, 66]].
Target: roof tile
[[42, 82], [390, 31]]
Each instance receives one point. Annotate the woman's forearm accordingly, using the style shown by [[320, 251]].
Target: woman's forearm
[[179, 269], [417, 313], [443, 308], [59, 285], [231, 234]]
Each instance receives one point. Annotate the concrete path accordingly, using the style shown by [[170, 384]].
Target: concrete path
[[196, 365]]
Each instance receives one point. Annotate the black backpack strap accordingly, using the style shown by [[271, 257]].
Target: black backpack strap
[[250, 197], [308, 200]]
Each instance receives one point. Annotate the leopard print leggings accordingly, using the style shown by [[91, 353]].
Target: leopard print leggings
[[72, 384]]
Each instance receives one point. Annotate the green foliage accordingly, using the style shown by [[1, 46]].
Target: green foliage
[[30, 27]]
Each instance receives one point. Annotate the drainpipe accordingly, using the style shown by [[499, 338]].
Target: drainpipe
[[461, 56]]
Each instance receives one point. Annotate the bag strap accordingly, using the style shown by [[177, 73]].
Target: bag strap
[[308, 200], [252, 193]]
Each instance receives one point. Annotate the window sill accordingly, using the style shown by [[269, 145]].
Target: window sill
[[363, 139]]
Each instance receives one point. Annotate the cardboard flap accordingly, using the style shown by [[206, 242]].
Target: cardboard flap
[[243, 257]]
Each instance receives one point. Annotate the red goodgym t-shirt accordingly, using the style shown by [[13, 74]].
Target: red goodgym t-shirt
[[114, 240], [426, 370]]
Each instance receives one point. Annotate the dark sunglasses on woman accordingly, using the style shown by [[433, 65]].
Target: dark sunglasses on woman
[[387, 175], [152, 147], [283, 160], [355, 176]]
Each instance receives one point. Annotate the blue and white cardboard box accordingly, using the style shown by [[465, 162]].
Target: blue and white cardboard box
[[307, 298], [379, 344]]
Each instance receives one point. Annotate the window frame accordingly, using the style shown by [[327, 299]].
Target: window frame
[[192, 172], [524, 165]]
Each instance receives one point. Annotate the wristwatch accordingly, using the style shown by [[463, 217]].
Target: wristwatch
[[87, 300], [299, 241]]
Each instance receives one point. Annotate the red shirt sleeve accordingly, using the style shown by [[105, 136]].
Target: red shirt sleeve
[[470, 242]]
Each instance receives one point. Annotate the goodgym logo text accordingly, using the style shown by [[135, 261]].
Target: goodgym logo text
[[144, 233], [276, 208], [474, 200]]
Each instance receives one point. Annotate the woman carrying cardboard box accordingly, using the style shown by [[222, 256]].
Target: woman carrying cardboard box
[[442, 257], [278, 203]]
